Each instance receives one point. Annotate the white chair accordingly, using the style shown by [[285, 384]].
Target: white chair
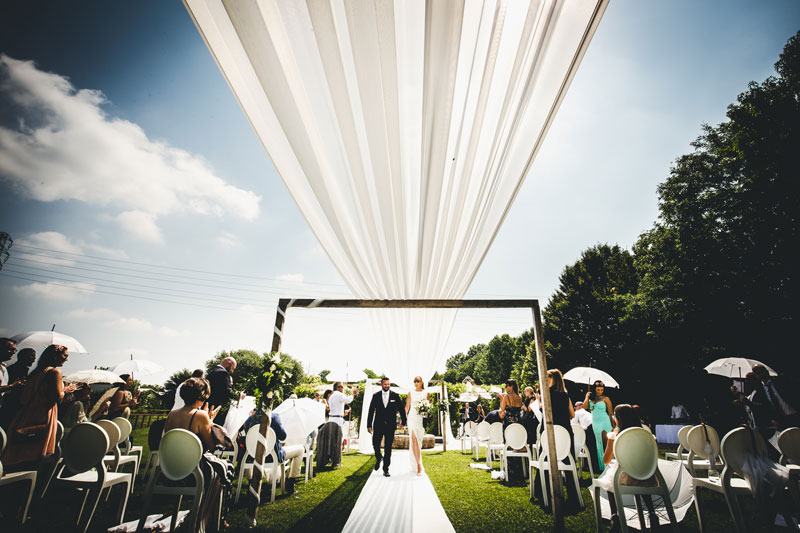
[[516, 437], [115, 459], [16, 477], [703, 443], [469, 434], [581, 451], [481, 437], [542, 462], [789, 446], [308, 456], [494, 448], [272, 470], [681, 454], [127, 428], [736, 445], [179, 457], [85, 469], [636, 453]]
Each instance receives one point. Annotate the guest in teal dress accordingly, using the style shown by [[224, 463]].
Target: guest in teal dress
[[599, 405]]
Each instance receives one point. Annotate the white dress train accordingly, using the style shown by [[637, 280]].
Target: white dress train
[[415, 426]]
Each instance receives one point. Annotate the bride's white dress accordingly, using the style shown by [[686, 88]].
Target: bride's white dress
[[415, 425]]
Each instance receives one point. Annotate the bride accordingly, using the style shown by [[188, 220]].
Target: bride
[[416, 429]]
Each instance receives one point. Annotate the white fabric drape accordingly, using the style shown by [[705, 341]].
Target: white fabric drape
[[403, 131]]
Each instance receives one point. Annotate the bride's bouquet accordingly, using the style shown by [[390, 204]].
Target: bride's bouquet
[[424, 407]]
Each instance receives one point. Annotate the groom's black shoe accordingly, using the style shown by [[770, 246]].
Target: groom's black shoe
[[377, 464], [385, 473]]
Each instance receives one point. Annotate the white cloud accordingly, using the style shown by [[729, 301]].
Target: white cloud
[[54, 241], [63, 291], [227, 239], [89, 156], [116, 321], [142, 225], [294, 278]]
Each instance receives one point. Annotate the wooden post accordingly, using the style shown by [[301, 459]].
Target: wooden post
[[444, 419], [555, 474], [263, 427]]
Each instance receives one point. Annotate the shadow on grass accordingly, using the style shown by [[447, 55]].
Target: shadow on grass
[[331, 514]]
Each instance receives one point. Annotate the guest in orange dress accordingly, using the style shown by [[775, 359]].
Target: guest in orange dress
[[32, 432]]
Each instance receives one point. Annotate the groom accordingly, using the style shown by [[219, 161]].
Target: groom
[[383, 411]]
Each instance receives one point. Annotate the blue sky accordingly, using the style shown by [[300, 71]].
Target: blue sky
[[653, 74]]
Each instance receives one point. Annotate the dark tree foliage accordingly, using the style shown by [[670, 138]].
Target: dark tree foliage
[[248, 366], [171, 386], [719, 274]]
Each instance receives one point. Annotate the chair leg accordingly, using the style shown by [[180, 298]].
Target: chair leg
[[578, 488], [736, 512], [241, 477], [83, 506], [623, 522], [637, 499], [124, 503], [598, 519], [673, 520], [148, 498], [91, 512], [544, 487], [697, 505], [30, 497]]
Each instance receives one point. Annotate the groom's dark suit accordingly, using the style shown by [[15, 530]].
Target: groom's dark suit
[[382, 420]]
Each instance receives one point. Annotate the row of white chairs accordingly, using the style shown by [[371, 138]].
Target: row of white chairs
[[699, 445], [71, 457]]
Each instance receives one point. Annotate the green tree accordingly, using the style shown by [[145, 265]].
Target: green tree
[[249, 364], [171, 386], [370, 374], [586, 322], [323, 375], [718, 267]]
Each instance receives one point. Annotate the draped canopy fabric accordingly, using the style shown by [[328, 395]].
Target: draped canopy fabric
[[402, 129]]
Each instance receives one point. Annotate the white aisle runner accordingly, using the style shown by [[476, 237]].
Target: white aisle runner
[[402, 503]]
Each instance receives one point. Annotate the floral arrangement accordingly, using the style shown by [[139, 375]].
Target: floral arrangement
[[271, 382], [424, 407]]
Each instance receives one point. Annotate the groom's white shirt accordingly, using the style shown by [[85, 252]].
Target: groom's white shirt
[[385, 395]]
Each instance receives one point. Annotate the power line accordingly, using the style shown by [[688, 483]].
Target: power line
[[242, 302], [173, 268], [149, 277], [126, 295]]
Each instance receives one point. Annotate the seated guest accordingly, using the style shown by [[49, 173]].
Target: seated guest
[[123, 399], [626, 417], [493, 416], [192, 416], [325, 397], [32, 432], [468, 413], [196, 419], [76, 405], [481, 416]]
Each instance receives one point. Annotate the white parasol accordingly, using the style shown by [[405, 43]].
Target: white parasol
[[735, 367], [138, 366], [39, 340], [300, 417], [93, 376], [587, 374]]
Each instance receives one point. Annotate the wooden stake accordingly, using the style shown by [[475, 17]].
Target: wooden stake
[[263, 427], [441, 411], [555, 474]]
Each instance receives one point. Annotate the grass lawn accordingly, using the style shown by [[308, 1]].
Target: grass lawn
[[473, 501]]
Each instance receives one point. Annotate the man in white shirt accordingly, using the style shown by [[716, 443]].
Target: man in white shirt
[[7, 350], [679, 412], [337, 401], [582, 416]]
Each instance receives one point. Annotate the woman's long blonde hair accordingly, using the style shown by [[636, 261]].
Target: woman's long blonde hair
[[558, 379]]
